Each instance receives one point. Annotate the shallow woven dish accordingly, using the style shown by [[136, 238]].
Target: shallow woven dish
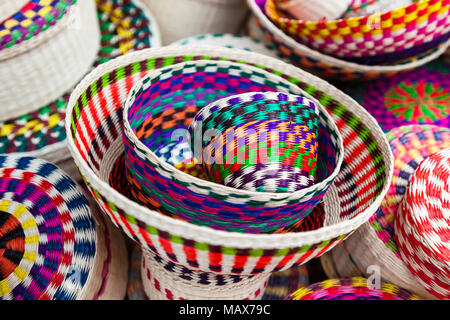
[[279, 285], [124, 27], [420, 96], [56, 247], [182, 90], [374, 243], [228, 40], [422, 224], [203, 248], [389, 37], [324, 65], [45, 49], [179, 19], [356, 288]]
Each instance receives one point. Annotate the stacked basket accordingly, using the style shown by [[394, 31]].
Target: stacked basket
[[46, 48], [370, 46], [187, 79]]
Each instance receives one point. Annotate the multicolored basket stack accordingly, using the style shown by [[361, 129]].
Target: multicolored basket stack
[[421, 96], [356, 288], [159, 111], [53, 245], [423, 224], [123, 26], [375, 242], [94, 124], [382, 65], [179, 19]]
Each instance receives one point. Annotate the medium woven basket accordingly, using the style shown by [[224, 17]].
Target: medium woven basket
[[94, 124], [228, 40], [356, 288], [45, 49], [56, 247], [420, 96], [422, 224], [389, 37], [328, 66], [179, 19], [124, 27], [149, 125], [375, 242]]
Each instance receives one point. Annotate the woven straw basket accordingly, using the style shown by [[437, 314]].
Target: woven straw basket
[[324, 65], [279, 285], [93, 125], [388, 37], [44, 211], [125, 26], [356, 288], [36, 69], [374, 243], [227, 40], [179, 19], [422, 224], [158, 184]]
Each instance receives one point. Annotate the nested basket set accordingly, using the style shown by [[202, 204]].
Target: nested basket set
[[218, 156]]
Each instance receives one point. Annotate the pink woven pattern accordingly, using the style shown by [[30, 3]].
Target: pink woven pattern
[[393, 31], [423, 224]]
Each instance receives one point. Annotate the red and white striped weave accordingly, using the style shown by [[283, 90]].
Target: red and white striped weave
[[422, 227]]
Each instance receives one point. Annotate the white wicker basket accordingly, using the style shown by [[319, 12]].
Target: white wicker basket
[[314, 10], [377, 7], [41, 69], [179, 19]]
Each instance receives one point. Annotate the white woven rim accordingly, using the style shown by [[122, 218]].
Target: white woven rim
[[205, 234], [219, 188], [338, 62]]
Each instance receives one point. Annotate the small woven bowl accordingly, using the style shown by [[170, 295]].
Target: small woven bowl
[[356, 288], [56, 247], [375, 242], [266, 142], [422, 226], [160, 109], [373, 39], [327, 66], [94, 125]]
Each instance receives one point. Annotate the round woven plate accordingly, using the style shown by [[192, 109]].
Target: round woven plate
[[356, 288], [279, 286], [374, 243], [421, 96], [96, 145], [48, 237], [125, 27]]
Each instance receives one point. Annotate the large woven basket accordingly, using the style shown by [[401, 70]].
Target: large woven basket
[[422, 224], [375, 242], [356, 288], [150, 125], [179, 19], [56, 246], [387, 37], [124, 27], [325, 65], [45, 49], [94, 123], [419, 96]]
